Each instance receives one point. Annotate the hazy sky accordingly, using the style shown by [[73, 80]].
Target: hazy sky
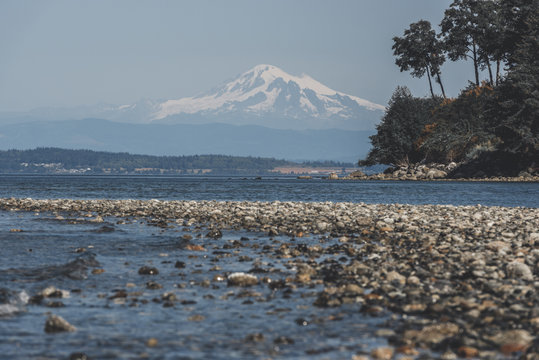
[[69, 53]]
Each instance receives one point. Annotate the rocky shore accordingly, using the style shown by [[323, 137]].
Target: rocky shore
[[446, 172], [454, 281]]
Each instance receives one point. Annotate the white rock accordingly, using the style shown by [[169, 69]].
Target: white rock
[[517, 269]]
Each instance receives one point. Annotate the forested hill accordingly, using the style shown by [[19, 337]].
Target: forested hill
[[492, 128], [46, 160]]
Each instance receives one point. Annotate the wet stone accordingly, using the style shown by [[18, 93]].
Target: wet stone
[[382, 353], [214, 234], [152, 285], [242, 279], [196, 318], [256, 337], [445, 279], [56, 324], [148, 270]]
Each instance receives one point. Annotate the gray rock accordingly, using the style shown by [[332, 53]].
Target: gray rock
[[242, 279], [517, 270], [56, 324]]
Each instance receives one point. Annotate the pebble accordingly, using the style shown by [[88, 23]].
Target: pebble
[[450, 277], [395, 278], [432, 334], [196, 318], [382, 353], [468, 352], [242, 279], [520, 270]]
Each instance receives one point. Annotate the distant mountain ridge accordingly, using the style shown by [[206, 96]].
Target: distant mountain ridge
[[188, 139], [263, 112]]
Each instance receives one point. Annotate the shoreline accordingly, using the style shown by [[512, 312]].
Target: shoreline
[[456, 280], [372, 177]]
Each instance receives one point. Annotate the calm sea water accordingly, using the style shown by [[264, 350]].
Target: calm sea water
[[117, 311], [270, 189]]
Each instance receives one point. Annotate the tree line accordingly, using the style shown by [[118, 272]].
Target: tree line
[[13, 160], [495, 117]]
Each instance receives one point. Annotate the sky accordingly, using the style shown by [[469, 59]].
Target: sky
[[70, 53]]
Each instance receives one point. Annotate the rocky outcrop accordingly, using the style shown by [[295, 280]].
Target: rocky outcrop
[[472, 171]]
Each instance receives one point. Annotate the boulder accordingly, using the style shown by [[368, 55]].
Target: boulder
[[357, 174], [55, 324], [242, 279], [436, 174]]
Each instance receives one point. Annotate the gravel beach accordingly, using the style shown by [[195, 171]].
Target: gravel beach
[[460, 281]]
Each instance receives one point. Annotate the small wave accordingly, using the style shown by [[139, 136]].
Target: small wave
[[76, 270], [12, 302]]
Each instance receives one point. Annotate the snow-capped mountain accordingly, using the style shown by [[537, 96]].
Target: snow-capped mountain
[[268, 96], [264, 96]]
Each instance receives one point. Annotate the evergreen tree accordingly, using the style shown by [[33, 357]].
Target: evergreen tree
[[515, 111], [471, 29], [420, 50], [400, 128]]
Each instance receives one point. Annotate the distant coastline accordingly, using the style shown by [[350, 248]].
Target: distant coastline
[[87, 162]]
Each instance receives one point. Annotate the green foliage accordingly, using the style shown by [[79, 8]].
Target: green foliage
[[76, 159], [515, 110], [492, 128], [419, 50], [473, 29], [458, 127], [11, 160], [400, 129]]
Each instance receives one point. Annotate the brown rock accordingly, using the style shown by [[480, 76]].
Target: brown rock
[[467, 352], [196, 318], [192, 247], [303, 278], [432, 334], [382, 353], [407, 350], [512, 340]]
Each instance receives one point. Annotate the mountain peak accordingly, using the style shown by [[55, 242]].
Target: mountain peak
[[268, 91]]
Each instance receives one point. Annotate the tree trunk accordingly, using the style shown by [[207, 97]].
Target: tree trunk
[[439, 80], [498, 71], [430, 83], [475, 64], [490, 73]]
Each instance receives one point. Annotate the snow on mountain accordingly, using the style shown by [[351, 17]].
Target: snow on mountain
[[268, 96], [264, 96]]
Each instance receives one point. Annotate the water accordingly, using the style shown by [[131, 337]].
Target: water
[[208, 319], [45, 254], [270, 189]]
